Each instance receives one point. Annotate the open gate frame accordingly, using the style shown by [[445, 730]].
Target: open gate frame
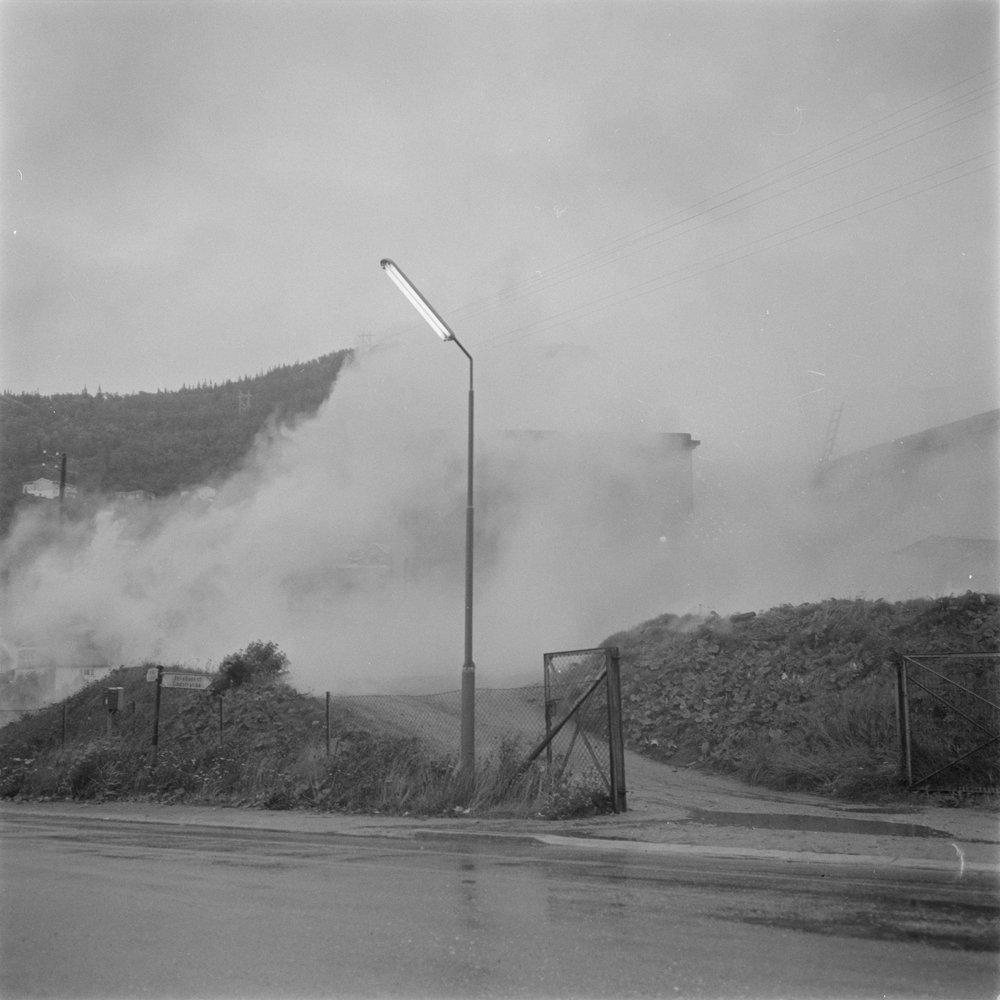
[[951, 700], [583, 717]]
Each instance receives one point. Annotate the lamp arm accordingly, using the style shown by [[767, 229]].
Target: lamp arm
[[468, 355]]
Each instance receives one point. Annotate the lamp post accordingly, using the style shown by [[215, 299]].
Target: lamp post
[[441, 328]]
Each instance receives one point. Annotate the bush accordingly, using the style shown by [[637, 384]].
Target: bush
[[259, 661]]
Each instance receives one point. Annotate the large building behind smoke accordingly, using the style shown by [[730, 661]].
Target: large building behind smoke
[[926, 505], [631, 490]]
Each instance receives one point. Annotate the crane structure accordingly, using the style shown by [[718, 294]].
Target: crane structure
[[831, 435]]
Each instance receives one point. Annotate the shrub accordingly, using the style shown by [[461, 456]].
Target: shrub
[[259, 661]]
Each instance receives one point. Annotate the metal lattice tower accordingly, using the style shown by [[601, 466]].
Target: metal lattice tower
[[831, 434]]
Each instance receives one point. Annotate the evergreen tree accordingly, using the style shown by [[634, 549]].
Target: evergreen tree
[[160, 442]]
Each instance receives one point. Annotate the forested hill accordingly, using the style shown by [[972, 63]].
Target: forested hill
[[156, 441]]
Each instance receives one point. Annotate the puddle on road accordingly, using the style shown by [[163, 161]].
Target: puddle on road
[[814, 824]]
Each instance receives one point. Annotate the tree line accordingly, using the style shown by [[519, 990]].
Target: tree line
[[161, 441]]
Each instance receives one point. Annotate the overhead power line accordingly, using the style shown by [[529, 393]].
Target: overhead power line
[[697, 268], [674, 226], [640, 241], [734, 211]]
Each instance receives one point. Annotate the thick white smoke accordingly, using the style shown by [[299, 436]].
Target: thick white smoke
[[382, 464], [342, 539]]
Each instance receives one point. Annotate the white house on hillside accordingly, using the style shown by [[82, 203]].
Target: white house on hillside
[[204, 493], [46, 488]]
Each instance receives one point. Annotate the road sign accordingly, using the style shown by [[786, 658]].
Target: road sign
[[193, 682], [151, 675]]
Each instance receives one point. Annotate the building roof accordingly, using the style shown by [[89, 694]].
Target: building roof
[[944, 545], [971, 430]]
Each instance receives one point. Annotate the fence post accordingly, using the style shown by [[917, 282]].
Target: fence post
[[616, 742], [546, 663], [156, 712], [903, 721], [220, 718], [64, 723], [328, 723]]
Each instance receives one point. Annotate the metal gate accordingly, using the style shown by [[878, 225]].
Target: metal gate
[[948, 713], [583, 718]]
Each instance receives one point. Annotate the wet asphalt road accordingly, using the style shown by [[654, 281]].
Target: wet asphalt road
[[110, 909]]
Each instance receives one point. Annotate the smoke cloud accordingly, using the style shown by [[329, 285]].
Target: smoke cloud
[[342, 538]]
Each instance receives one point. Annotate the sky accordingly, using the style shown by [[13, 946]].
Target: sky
[[725, 219]]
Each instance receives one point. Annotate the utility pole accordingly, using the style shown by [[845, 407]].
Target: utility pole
[[62, 487]]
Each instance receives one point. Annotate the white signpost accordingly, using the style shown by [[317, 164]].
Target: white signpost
[[186, 682], [193, 682]]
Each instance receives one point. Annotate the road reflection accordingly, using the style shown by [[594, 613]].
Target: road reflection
[[226, 912]]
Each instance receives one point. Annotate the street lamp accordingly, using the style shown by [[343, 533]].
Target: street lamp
[[441, 328]]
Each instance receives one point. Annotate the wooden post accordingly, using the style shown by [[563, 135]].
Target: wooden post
[[220, 719], [616, 741], [903, 717], [64, 723], [328, 723], [549, 705], [899, 716], [62, 487], [156, 711]]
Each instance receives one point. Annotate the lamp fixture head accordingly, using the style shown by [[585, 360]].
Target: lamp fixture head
[[434, 321]]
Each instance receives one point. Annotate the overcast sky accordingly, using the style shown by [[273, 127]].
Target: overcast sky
[[721, 218]]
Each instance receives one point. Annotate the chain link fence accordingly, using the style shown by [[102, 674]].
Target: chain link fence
[[566, 721], [948, 712], [505, 717]]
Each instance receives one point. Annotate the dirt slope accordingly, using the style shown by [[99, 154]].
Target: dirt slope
[[711, 689]]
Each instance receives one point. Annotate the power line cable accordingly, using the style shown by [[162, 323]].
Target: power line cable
[[659, 281], [654, 228], [641, 243], [565, 271], [794, 187], [544, 324]]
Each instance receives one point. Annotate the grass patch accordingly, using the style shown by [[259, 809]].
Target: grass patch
[[844, 745]]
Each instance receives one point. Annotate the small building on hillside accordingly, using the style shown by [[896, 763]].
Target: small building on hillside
[[47, 489], [135, 495], [206, 494], [36, 675]]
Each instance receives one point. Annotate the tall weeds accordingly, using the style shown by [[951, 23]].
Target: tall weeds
[[270, 754], [845, 745]]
